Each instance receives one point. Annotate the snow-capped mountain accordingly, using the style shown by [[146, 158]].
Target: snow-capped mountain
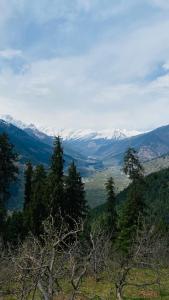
[[70, 134], [17, 123], [109, 134], [90, 149], [89, 134], [29, 128]]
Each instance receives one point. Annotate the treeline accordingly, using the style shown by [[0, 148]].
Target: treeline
[[52, 193], [55, 238], [47, 193]]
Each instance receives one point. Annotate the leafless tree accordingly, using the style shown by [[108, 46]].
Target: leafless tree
[[39, 264], [78, 263], [146, 253], [6, 276], [100, 244]]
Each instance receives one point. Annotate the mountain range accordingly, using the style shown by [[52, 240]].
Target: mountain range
[[90, 149], [31, 144], [82, 143], [70, 134], [97, 154]]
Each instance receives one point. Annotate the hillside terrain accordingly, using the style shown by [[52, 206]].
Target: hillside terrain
[[98, 155], [149, 145], [37, 147], [156, 195], [95, 185]]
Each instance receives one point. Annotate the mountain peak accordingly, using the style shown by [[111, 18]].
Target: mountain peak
[[11, 120], [85, 134], [70, 134]]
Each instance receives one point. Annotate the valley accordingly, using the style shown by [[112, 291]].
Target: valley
[[98, 155]]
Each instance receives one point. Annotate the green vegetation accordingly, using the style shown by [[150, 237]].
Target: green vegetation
[[8, 174], [95, 185], [57, 248]]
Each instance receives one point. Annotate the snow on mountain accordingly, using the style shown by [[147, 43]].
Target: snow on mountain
[[11, 120], [88, 134], [29, 128], [70, 134]]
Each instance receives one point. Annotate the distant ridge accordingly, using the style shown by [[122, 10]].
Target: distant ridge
[[70, 134]]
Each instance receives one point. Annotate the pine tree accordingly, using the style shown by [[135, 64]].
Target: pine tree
[[8, 173], [15, 228], [8, 167], [55, 188], [132, 166], [111, 208], [38, 205], [133, 208], [28, 185], [75, 202]]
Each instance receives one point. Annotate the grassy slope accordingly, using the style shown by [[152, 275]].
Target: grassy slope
[[157, 164], [104, 289], [95, 185], [95, 189]]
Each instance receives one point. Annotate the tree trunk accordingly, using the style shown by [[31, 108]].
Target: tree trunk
[[119, 293], [43, 292]]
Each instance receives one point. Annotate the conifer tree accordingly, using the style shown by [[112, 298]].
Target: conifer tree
[[132, 166], [133, 208], [15, 229], [75, 202], [28, 185], [38, 204], [55, 188], [8, 166], [8, 173], [111, 208]]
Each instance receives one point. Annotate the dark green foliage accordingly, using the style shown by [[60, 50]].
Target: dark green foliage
[[132, 166], [75, 202], [2, 218], [111, 208], [8, 167], [15, 230], [8, 174], [134, 205], [28, 185], [38, 207], [156, 198], [131, 215], [55, 190]]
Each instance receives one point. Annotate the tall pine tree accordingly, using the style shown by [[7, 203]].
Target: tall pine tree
[[28, 185], [133, 208], [111, 208], [55, 190], [75, 202], [8, 167], [38, 205], [8, 173]]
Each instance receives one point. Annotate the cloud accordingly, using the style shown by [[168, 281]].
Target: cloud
[[164, 4], [10, 53], [85, 63]]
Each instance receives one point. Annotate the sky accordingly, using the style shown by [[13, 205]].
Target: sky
[[85, 63]]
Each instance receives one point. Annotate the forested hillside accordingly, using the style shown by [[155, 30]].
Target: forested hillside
[[56, 247], [156, 197]]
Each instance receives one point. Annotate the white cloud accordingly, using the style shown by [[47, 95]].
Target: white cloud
[[164, 4], [114, 84], [10, 53]]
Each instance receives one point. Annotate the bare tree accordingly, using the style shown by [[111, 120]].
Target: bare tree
[[100, 243], [6, 276], [145, 253], [78, 263], [39, 264]]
